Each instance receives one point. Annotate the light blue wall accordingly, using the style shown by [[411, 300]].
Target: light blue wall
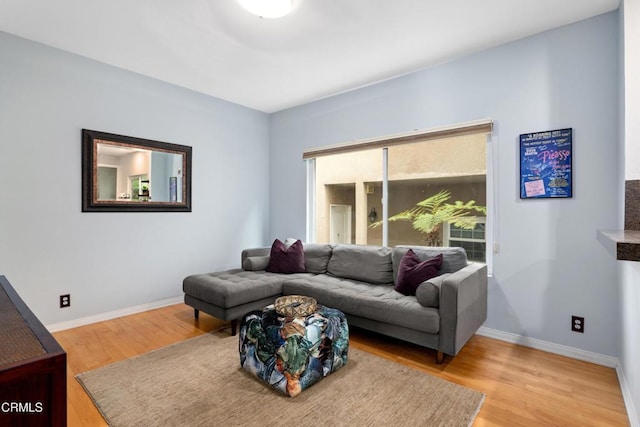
[[109, 261], [550, 264]]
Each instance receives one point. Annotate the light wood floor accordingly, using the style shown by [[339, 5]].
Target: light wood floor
[[524, 387]]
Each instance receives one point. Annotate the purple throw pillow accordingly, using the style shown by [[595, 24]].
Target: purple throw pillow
[[412, 272], [286, 260]]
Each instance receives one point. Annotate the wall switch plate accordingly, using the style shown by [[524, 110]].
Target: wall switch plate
[[577, 324], [65, 300]]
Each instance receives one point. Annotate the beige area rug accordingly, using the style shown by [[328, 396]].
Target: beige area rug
[[199, 382]]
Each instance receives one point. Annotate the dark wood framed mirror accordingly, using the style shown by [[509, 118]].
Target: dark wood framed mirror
[[128, 174]]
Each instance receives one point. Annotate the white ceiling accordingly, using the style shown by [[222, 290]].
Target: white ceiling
[[324, 47]]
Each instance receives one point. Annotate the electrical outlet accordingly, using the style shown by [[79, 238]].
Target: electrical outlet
[[65, 300], [577, 324]]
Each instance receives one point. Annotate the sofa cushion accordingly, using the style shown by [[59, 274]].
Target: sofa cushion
[[286, 260], [255, 263], [365, 263], [428, 292], [412, 272], [453, 259], [376, 302], [316, 257], [233, 287]]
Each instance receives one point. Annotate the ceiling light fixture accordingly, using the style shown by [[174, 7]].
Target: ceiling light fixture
[[268, 8]]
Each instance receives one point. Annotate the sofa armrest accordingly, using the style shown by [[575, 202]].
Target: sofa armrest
[[254, 252], [463, 307]]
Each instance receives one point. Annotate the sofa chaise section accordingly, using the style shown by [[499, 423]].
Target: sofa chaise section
[[229, 295]]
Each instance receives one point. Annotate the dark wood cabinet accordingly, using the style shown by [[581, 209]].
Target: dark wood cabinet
[[33, 367]]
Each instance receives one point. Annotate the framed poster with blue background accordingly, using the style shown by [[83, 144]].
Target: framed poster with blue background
[[546, 164]]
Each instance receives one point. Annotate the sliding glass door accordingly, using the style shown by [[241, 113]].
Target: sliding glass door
[[345, 196], [428, 192], [433, 185]]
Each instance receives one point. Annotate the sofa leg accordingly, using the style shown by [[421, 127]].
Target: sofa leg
[[439, 357], [234, 326], [196, 313]]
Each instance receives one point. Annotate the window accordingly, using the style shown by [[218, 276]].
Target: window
[[139, 185], [472, 240], [428, 189]]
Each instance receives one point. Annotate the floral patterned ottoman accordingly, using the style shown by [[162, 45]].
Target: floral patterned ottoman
[[293, 353]]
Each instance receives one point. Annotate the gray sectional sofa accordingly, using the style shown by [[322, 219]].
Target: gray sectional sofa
[[359, 281]]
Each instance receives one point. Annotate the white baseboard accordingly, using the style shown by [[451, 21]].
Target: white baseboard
[[549, 347], [61, 326], [634, 419], [574, 353]]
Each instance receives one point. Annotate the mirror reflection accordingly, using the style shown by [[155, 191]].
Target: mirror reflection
[[123, 173], [128, 174]]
